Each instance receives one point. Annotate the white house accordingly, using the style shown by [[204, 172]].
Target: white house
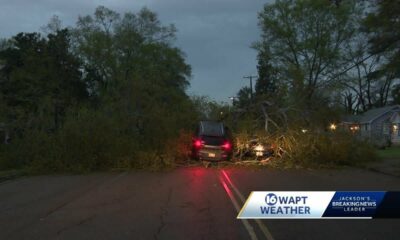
[[380, 125]]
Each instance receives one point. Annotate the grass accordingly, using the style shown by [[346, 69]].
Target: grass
[[389, 153], [10, 174]]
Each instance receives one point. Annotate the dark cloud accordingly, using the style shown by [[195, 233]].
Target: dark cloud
[[215, 34]]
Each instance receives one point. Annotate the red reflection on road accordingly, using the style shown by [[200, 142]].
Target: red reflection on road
[[199, 172], [197, 179]]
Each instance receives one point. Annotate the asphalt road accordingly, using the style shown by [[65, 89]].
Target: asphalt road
[[187, 203]]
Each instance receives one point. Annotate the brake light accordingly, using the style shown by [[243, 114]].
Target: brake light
[[198, 143], [226, 146]]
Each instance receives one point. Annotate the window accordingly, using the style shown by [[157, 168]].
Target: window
[[211, 128]]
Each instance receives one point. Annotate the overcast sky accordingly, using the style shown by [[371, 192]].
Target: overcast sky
[[215, 34]]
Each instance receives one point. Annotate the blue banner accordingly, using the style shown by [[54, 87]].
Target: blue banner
[[354, 204], [325, 204]]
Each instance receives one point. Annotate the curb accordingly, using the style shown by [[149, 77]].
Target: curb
[[381, 171]]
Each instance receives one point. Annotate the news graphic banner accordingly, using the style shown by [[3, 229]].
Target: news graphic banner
[[316, 205]]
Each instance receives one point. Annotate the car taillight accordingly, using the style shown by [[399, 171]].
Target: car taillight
[[198, 143], [226, 146]]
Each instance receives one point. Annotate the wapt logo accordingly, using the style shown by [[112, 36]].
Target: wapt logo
[[271, 199], [285, 205]]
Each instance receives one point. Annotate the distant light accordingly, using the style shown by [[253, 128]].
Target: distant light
[[259, 154], [333, 127], [304, 130], [354, 128], [259, 148], [395, 127]]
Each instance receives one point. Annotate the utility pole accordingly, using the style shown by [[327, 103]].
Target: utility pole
[[233, 98], [251, 85], [234, 112]]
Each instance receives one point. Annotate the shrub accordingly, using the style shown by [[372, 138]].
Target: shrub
[[34, 147], [92, 141], [96, 140], [178, 150]]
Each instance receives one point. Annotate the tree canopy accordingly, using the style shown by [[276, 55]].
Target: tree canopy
[[115, 83]]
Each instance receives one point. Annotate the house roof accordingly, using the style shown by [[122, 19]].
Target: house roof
[[370, 115], [351, 118]]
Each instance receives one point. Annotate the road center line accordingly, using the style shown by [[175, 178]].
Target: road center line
[[245, 222], [263, 228]]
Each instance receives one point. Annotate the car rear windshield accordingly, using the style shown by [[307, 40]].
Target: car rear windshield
[[215, 129]]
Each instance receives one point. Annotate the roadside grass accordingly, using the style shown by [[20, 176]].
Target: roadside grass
[[389, 161], [11, 174], [389, 153]]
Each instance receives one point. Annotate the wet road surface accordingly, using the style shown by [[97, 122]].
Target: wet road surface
[[187, 203]]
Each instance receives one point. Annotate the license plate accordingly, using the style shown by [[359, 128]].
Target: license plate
[[211, 155]]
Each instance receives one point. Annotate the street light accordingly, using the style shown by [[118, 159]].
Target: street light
[[233, 98]]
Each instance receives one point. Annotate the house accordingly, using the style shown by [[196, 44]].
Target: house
[[379, 125]]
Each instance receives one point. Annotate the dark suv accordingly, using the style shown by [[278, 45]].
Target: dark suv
[[212, 142]]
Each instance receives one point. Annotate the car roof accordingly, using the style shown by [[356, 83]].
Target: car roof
[[211, 128]]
